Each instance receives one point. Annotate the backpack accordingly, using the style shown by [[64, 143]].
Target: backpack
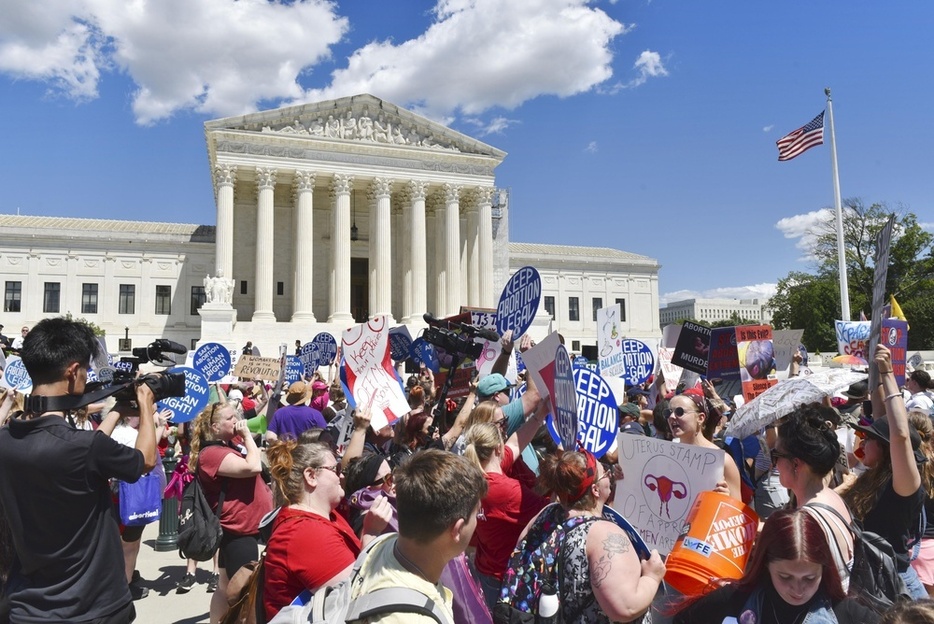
[[747, 478], [334, 605], [535, 564], [874, 578], [199, 527]]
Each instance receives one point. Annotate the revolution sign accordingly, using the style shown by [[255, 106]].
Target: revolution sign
[[213, 360], [518, 303]]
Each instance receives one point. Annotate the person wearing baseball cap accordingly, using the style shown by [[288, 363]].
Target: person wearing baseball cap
[[888, 497]]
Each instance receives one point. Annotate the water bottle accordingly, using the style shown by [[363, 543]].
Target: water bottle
[[547, 605]]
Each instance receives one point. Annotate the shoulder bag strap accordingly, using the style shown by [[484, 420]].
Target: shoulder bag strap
[[854, 529], [395, 600], [223, 492]]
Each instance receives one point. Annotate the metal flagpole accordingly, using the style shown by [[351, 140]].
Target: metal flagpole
[[841, 252]]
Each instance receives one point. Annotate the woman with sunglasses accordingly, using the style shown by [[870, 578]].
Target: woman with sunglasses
[[888, 497], [693, 420], [218, 463], [366, 480], [510, 501], [600, 577], [806, 451], [311, 545]]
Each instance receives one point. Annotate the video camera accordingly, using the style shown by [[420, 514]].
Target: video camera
[[121, 382], [459, 344]]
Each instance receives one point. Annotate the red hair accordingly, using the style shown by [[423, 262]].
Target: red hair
[[416, 397]]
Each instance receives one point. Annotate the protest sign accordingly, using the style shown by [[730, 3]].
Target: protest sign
[[197, 390], [15, 375], [671, 373], [609, 342], [400, 340], [895, 339], [294, 369], [251, 367], [853, 338], [597, 419], [723, 362], [370, 376], [880, 274], [916, 360], [423, 352], [661, 481], [308, 356], [670, 335], [518, 303], [786, 343], [213, 360], [327, 348], [638, 361], [564, 399], [540, 363], [692, 348], [756, 359]]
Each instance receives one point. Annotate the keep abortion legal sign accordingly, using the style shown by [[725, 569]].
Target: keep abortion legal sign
[[519, 301]]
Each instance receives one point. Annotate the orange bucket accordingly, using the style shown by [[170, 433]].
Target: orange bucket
[[718, 534]]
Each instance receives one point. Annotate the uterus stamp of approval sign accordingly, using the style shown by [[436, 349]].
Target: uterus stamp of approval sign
[[665, 488]]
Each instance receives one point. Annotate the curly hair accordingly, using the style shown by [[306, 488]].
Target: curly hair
[[925, 428], [808, 434], [563, 475]]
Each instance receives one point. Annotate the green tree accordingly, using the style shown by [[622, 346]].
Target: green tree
[[811, 301]]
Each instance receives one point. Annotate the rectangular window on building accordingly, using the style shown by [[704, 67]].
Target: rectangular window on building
[[194, 343], [88, 298], [51, 298], [550, 306], [574, 311], [622, 309], [280, 288], [198, 298], [13, 297], [242, 287], [163, 300], [597, 304], [126, 303], [576, 346]]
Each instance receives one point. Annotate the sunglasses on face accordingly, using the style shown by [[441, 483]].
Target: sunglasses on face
[[678, 411], [386, 479]]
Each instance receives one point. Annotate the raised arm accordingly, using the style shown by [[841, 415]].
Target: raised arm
[[905, 476], [502, 361], [361, 421]]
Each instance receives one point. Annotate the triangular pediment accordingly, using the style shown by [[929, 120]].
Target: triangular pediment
[[360, 118]]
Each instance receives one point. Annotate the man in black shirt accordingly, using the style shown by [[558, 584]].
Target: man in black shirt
[[55, 494]]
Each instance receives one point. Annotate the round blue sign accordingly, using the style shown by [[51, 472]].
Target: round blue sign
[[309, 357], [184, 409], [293, 369], [596, 411], [16, 377], [564, 400], [399, 345], [519, 302], [213, 360], [327, 348], [423, 351], [639, 361]]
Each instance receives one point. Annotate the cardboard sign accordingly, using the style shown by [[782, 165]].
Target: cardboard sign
[[252, 366], [213, 360], [15, 375], [609, 342], [670, 372], [756, 359], [597, 419], [518, 303], [786, 343], [197, 391], [853, 338], [895, 339], [722, 361], [369, 374], [693, 347], [327, 348], [540, 363], [661, 481]]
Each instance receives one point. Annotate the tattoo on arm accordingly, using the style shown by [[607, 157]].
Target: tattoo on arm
[[599, 572], [615, 545]]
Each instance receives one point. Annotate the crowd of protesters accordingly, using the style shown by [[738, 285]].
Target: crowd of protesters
[[456, 500]]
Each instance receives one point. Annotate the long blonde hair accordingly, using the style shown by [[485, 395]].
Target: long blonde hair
[[202, 431], [922, 424], [482, 440], [483, 412]]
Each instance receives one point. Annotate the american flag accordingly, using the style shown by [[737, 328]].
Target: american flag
[[802, 139]]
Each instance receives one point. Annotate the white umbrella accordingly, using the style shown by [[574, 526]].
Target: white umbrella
[[782, 399]]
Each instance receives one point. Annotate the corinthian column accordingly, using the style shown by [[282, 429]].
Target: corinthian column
[[339, 291], [485, 246], [225, 176], [415, 285], [473, 253], [265, 190], [381, 248], [452, 248], [439, 302], [303, 275]]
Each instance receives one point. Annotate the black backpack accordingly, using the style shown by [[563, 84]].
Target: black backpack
[[199, 527], [874, 578]]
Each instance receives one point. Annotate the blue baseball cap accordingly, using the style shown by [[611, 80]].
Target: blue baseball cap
[[491, 384]]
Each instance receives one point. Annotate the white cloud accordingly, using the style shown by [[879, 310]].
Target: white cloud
[[591, 147], [806, 228], [756, 291], [927, 226], [221, 58], [648, 65], [768, 128], [497, 125]]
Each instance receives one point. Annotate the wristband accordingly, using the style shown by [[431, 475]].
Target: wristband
[[892, 396], [885, 372]]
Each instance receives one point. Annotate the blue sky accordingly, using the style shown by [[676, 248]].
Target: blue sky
[[647, 126]]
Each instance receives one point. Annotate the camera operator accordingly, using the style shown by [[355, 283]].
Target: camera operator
[[55, 494]]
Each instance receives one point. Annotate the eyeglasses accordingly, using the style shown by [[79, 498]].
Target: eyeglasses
[[678, 411], [336, 469], [777, 455]]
